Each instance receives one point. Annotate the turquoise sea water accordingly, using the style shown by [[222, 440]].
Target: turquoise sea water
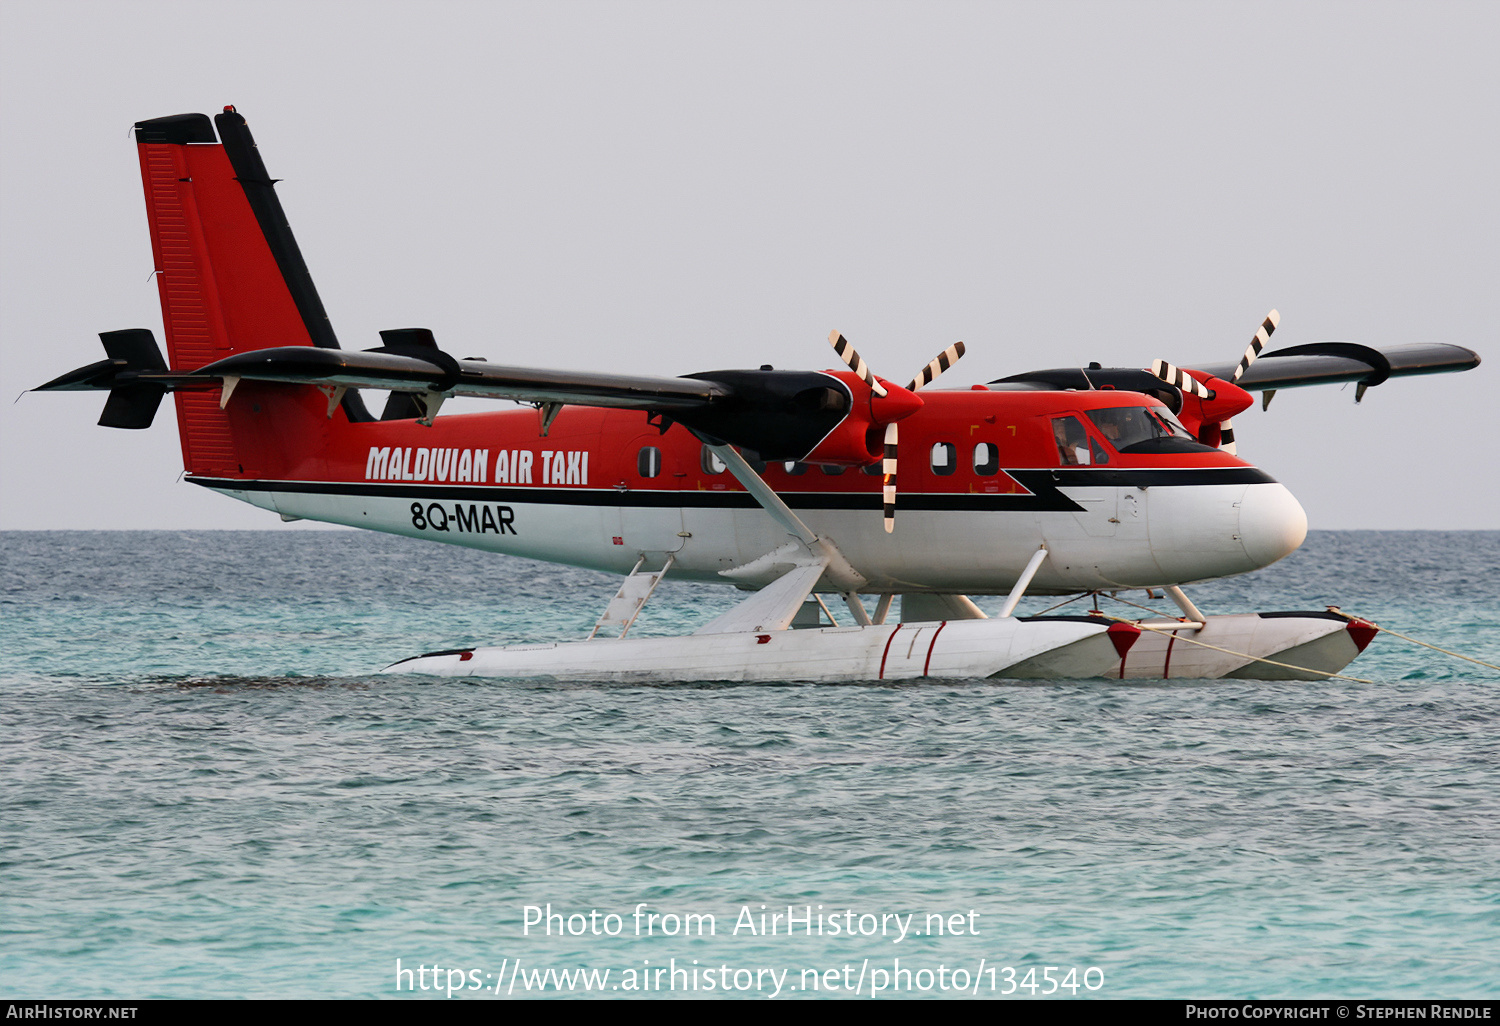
[[205, 793]]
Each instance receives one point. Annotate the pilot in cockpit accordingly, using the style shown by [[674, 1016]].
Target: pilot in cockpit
[[1072, 443]]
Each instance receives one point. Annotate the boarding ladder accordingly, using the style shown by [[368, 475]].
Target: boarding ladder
[[633, 594]]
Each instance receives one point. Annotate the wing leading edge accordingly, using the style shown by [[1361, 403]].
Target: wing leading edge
[[1331, 363], [344, 369], [780, 414]]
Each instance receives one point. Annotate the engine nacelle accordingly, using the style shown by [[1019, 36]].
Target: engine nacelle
[[854, 443], [859, 439], [813, 416], [1202, 416]]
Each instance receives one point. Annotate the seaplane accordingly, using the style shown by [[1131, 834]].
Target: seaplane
[[782, 483]]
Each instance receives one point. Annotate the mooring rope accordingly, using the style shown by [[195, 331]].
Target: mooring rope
[[1158, 612], [1064, 602], [1397, 634]]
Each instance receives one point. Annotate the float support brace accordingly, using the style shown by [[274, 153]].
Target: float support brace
[[857, 608], [1024, 581], [1184, 603]]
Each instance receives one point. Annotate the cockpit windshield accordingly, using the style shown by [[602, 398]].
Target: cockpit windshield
[[1137, 429]]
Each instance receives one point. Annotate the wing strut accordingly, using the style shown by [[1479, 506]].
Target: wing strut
[[841, 573], [764, 493]]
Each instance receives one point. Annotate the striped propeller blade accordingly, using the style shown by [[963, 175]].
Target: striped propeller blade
[[928, 374], [856, 363], [1181, 378], [888, 466], [1262, 337], [1226, 437], [947, 358], [1257, 343]]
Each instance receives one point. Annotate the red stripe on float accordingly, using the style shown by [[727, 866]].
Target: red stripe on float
[[933, 645], [887, 650]]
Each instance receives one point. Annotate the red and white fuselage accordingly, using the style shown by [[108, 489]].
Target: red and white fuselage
[[603, 488]]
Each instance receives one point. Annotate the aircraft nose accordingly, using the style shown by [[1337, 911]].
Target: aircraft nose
[[1273, 523]]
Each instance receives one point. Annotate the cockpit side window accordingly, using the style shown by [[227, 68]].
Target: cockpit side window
[[1137, 429], [1173, 424], [1125, 426], [1072, 442], [1101, 454]]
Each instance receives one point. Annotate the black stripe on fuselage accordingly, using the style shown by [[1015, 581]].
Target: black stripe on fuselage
[[1163, 477], [1044, 486]]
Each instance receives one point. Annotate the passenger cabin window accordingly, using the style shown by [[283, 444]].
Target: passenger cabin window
[[710, 462], [986, 459], [832, 471], [944, 458], [648, 461], [795, 469], [873, 469], [1072, 442]]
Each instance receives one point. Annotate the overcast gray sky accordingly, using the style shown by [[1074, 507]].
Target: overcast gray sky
[[664, 188]]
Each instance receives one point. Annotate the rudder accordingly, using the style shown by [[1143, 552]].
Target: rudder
[[229, 271]]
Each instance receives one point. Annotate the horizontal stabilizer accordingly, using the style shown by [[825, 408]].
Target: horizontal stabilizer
[[130, 353], [131, 374]]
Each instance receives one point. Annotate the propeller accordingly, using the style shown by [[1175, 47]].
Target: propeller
[[1180, 378], [1226, 428], [926, 376], [850, 356]]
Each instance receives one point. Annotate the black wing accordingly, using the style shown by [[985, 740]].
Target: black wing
[[779, 414], [1329, 363]]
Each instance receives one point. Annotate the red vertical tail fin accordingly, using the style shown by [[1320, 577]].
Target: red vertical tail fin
[[231, 276]]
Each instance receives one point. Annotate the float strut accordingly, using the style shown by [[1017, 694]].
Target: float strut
[[857, 608], [1024, 581], [1184, 603]]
